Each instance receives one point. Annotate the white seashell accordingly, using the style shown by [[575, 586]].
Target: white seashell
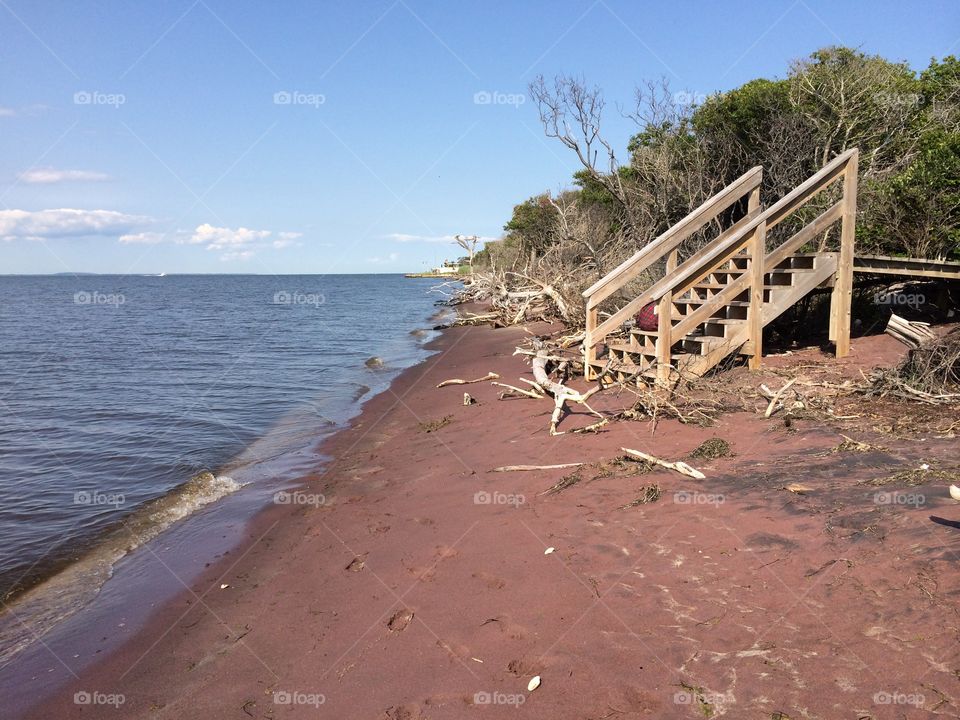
[[955, 492], [534, 683], [548, 550], [924, 467], [224, 586]]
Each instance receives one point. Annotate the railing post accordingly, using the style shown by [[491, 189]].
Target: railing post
[[589, 344], [664, 339], [758, 252], [842, 294], [672, 261]]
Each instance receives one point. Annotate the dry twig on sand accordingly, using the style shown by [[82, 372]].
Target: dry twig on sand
[[458, 381], [680, 467], [524, 468]]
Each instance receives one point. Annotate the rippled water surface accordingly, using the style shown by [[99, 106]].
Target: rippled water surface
[[116, 391]]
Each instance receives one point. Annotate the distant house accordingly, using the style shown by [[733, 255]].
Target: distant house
[[445, 270]]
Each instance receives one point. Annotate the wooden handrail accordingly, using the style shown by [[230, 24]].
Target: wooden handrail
[[684, 272], [749, 231], [670, 239]]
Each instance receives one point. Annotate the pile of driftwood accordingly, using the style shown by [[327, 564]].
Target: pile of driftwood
[[514, 298], [931, 371], [545, 362]]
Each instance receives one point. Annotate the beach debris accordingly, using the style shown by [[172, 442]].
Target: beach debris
[[524, 468], [851, 445], [356, 565], [469, 400], [551, 549], [224, 586], [930, 373], [563, 483], [534, 683], [678, 466], [917, 476], [798, 488], [400, 619], [648, 494], [591, 428], [477, 660], [458, 381], [911, 334], [955, 492], [534, 392], [374, 362], [561, 393], [775, 397], [711, 449], [433, 425]]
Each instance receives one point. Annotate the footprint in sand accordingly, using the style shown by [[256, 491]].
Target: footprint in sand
[[491, 581], [399, 621], [524, 668], [403, 712]]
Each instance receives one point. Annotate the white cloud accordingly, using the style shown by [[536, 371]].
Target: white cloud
[[7, 112], [48, 176], [144, 238], [67, 222], [222, 238]]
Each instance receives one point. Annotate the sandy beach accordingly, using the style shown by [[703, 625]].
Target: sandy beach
[[421, 586]]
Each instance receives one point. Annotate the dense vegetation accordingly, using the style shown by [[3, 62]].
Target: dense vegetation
[[906, 125]]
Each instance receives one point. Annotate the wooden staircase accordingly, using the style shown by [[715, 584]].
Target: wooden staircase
[[717, 302]]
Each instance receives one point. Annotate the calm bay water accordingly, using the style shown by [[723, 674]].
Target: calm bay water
[[115, 391]]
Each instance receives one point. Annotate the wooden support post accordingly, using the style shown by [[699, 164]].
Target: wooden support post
[[664, 339], [842, 294], [589, 346], [672, 261], [758, 251], [753, 203]]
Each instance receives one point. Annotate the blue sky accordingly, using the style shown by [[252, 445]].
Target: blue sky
[[321, 137]]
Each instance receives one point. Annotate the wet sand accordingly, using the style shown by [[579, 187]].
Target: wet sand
[[420, 587]]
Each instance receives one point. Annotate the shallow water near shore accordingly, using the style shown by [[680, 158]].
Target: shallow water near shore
[[128, 404]]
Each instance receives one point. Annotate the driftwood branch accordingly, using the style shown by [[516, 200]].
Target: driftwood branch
[[911, 334], [458, 381], [680, 467], [561, 393], [524, 468]]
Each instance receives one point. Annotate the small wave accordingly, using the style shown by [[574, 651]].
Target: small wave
[[30, 615]]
